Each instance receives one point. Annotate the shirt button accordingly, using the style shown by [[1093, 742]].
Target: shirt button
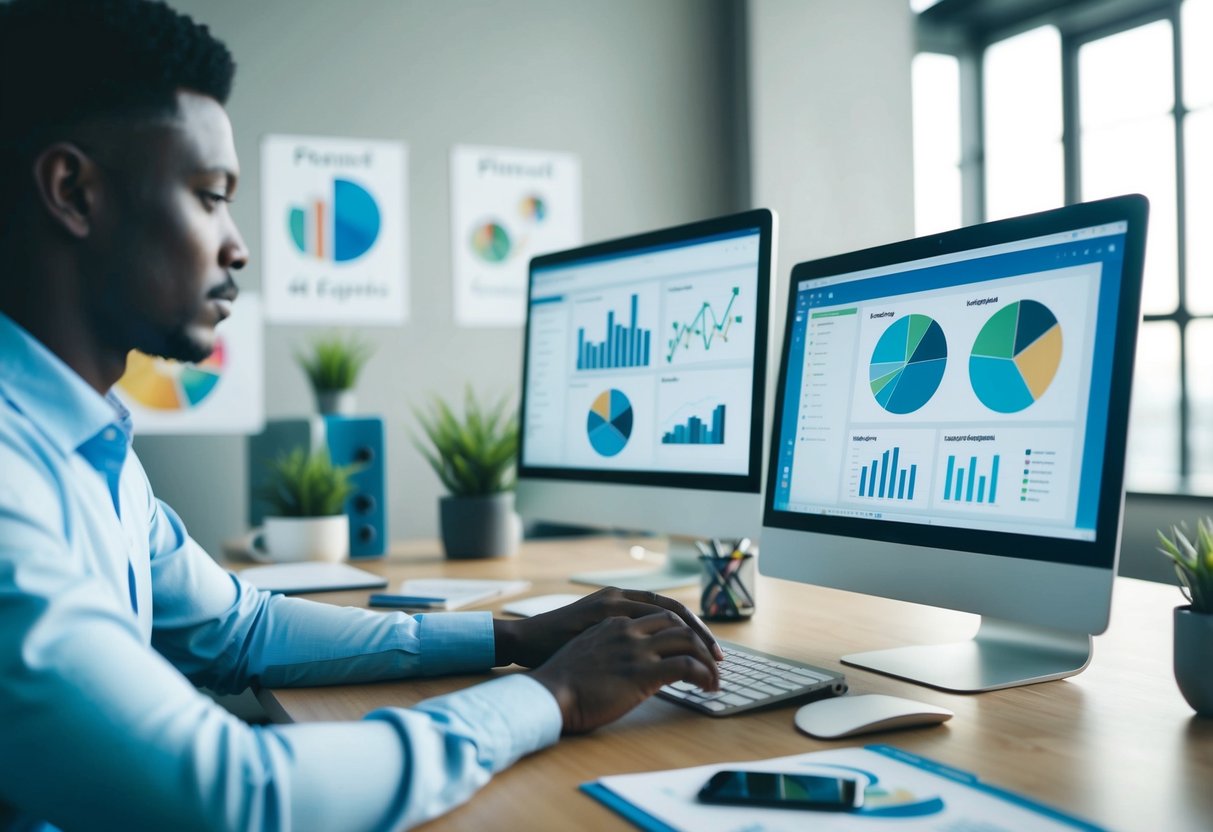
[[110, 435]]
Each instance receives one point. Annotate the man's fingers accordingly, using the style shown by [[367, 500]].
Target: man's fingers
[[681, 641], [692, 620], [684, 668]]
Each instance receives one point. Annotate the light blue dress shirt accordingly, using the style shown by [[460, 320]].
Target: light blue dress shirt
[[110, 614]]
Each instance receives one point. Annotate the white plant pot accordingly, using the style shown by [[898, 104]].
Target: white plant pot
[[292, 539], [336, 402]]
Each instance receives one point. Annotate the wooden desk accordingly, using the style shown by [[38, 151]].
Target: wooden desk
[[1116, 744]]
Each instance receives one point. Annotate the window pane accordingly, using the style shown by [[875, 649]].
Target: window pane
[[1197, 25], [1140, 157], [1023, 152], [936, 85], [1153, 455], [1198, 150], [1200, 397], [1127, 76]]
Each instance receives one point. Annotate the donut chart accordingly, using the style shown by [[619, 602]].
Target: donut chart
[[161, 384], [1015, 357], [609, 423], [908, 363]]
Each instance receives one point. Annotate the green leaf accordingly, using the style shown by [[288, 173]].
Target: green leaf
[[1193, 562], [474, 455], [300, 484], [333, 362]]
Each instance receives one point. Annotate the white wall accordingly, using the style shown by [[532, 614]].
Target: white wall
[[830, 125], [643, 91]]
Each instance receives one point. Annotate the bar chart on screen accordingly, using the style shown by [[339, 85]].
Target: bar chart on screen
[[890, 466]]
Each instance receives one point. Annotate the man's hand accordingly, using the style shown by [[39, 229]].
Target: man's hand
[[532, 641], [618, 663]]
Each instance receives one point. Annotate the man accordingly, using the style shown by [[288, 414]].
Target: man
[[117, 167]]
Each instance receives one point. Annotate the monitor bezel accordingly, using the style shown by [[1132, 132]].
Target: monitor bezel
[[1100, 552], [759, 219]]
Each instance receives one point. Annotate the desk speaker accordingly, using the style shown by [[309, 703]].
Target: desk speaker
[[351, 440]]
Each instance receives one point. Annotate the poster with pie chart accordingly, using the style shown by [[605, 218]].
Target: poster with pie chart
[[222, 394], [1016, 356], [609, 423], [908, 363], [507, 205]]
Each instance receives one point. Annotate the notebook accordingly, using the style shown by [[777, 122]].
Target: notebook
[[311, 576], [446, 593]]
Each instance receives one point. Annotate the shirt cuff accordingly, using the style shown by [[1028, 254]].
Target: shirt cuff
[[511, 717], [455, 642]]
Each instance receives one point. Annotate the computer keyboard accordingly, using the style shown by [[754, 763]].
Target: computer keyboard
[[752, 679]]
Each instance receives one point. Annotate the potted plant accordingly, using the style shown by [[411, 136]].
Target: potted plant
[[332, 364], [1194, 622], [474, 459], [305, 519]]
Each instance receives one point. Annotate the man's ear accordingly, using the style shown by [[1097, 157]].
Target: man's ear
[[66, 180]]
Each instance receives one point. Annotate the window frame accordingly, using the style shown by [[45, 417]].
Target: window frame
[[966, 29]]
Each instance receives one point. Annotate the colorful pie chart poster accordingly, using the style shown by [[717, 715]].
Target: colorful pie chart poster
[[334, 230], [506, 207], [222, 395]]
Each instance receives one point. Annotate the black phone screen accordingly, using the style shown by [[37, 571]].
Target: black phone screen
[[793, 791]]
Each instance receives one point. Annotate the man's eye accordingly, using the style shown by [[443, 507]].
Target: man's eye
[[213, 198]]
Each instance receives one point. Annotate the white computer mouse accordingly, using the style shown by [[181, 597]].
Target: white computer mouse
[[846, 716]]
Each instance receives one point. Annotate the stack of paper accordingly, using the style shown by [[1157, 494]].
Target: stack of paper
[[446, 593]]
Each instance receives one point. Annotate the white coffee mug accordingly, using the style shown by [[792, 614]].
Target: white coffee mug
[[291, 539]]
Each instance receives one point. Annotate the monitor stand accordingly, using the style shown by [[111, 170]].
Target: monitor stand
[[1003, 654], [681, 568]]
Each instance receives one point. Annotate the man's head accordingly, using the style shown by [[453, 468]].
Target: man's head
[[116, 167]]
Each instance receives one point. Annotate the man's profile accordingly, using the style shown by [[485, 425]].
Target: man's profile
[[117, 165]]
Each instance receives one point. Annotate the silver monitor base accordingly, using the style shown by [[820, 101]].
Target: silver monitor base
[[681, 568], [1003, 654]]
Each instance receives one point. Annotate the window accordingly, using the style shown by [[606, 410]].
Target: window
[[1088, 100]]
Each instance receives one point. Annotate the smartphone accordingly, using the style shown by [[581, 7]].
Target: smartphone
[[784, 791]]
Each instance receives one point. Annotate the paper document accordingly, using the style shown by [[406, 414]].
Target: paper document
[[902, 789], [446, 593]]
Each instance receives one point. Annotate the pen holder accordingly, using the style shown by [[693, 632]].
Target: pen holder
[[726, 587]]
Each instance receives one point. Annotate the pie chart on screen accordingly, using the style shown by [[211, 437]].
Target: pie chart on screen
[[908, 363], [609, 423], [161, 384], [1015, 356]]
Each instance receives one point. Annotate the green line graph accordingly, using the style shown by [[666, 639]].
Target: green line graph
[[701, 329]]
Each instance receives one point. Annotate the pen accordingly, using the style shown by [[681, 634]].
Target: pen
[[387, 599]]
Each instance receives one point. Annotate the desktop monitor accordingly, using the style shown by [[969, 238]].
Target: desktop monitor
[[643, 382], [950, 420]]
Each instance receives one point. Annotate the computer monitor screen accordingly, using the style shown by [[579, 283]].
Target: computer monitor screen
[[959, 403], [643, 380]]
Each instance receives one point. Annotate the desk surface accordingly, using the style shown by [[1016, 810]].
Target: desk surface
[[1116, 744]]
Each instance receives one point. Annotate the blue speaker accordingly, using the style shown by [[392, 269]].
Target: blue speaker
[[351, 440]]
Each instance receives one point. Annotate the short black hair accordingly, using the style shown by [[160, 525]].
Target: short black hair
[[65, 62]]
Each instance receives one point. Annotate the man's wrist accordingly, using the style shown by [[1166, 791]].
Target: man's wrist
[[505, 642]]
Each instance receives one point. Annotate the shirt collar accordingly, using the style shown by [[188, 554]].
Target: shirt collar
[[52, 395]]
